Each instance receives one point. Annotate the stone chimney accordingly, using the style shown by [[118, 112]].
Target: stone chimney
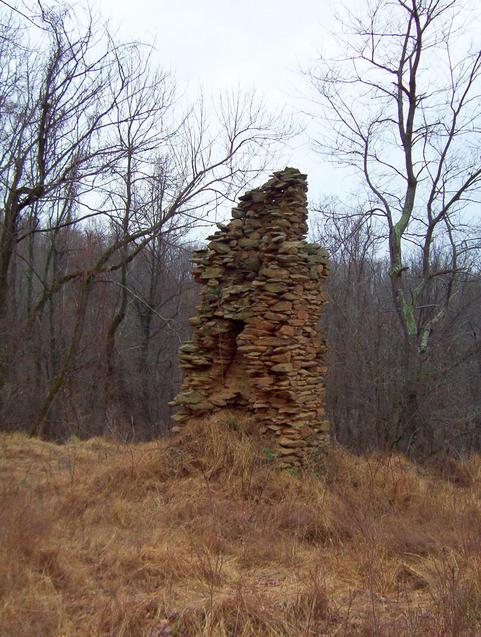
[[256, 344]]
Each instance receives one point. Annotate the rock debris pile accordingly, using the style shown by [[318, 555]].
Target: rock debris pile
[[256, 344]]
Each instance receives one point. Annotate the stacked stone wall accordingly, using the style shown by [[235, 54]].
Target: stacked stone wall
[[256, 344]]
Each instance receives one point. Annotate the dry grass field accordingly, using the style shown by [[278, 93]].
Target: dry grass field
[[199, 536]]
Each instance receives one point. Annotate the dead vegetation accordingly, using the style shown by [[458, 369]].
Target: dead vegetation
[[201, 536]]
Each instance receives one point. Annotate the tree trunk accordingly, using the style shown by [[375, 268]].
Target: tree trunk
[[409, 424], [145, 316], [7, 246], [115, 391], [38, 428]]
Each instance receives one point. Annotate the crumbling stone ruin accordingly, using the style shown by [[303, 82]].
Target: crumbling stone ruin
[[256, 344]]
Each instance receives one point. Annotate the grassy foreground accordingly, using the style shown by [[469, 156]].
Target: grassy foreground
[[198, 536]]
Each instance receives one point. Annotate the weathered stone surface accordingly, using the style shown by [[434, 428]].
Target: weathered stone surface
[[222, 248], [212, 273], [282, 368], [256, 345]]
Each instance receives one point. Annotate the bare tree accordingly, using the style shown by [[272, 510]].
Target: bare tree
[[58, 99], [403, 109], [205, 160], [92, 132], [54, 129], [140, 131]]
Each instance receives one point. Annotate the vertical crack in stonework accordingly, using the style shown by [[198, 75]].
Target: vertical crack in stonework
[[256, 343]]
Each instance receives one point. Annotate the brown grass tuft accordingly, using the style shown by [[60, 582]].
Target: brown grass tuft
[[201, 535]]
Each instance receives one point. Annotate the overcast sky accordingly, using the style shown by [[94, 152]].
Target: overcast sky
[[216, 45], [227, 42]]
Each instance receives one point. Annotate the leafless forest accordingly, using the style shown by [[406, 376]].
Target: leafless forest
[[105, 174]]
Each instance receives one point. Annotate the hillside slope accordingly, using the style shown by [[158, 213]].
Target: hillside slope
[[199, 536]]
